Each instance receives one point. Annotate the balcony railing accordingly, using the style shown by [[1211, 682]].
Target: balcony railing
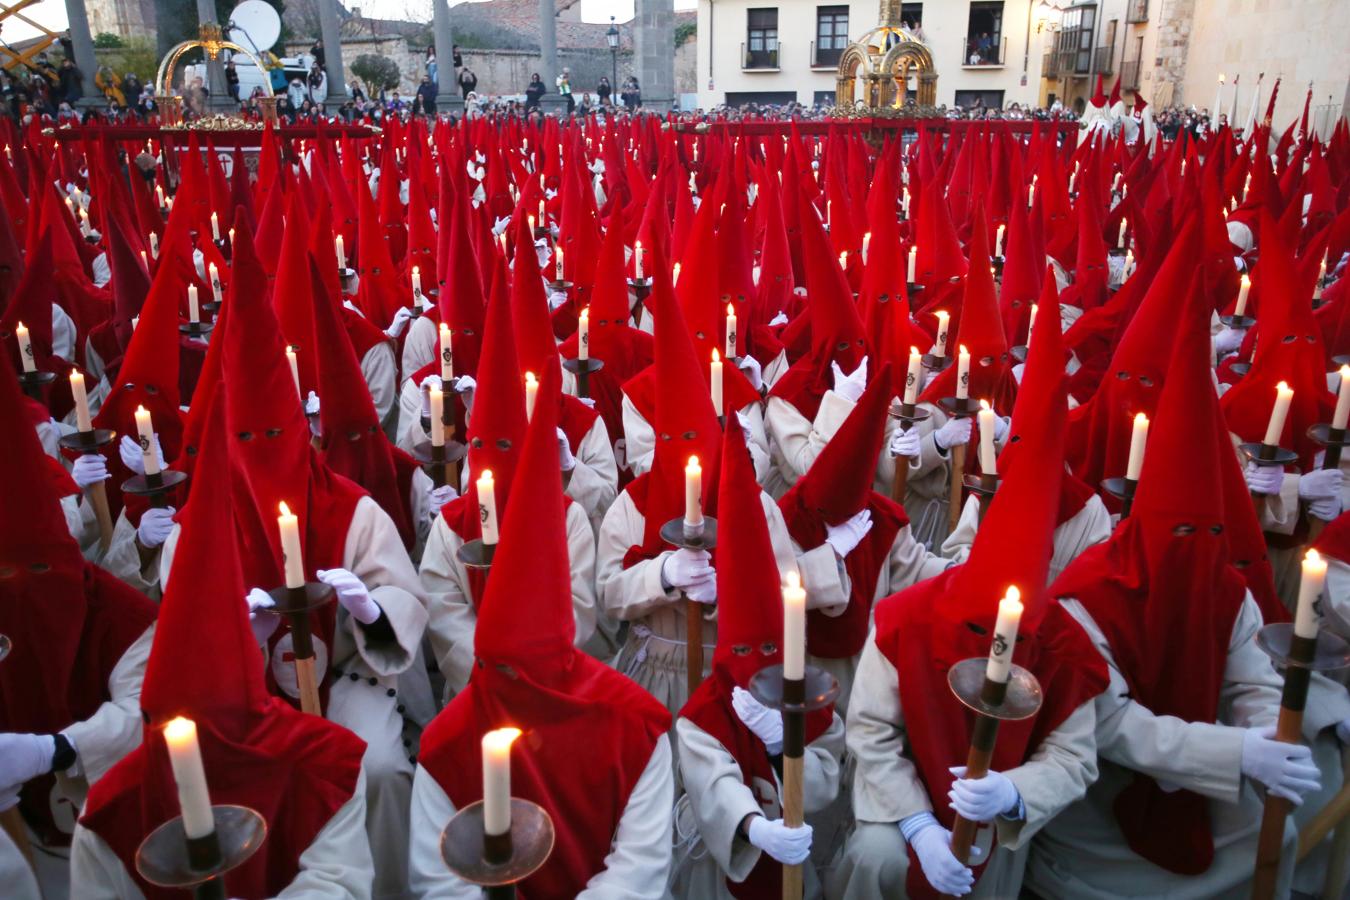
[[1129, 75], [1136, 12], [988, 57], [762, 59], [1104, 58], [825, 57]]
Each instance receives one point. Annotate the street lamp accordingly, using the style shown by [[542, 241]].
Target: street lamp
[[612, 36]]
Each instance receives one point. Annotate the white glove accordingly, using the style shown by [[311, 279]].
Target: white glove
[[401, 320], [933, 845], [1239, 263], [1229, 340], [850, 387], [438, 497], [312, 404], [754, 372], [766, 724], [501, 225], [954, 433], [981, 799], [352, 594], [130, 450], [691, 571], [786, 845], [155, 527], [1321, 486], [89, 469], [465, 384], [1001, 426], [556, 299], [588, 401], [1287, 770], [265, 622], [542, 252], [1264, 479], [565, 457], [780, 319], [847, 535], [24, 757], [431, 381], [905, 442]]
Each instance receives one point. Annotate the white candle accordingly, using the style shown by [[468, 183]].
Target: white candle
[[829, 213], [341, 252], [962, 373], [913, 375], [185, 758], [558, 264], [1321, 276], [1245, 289], [530, 220], [215, 227], [25, 348], [436, 397], [867, 242], [1338, 419], [146, 433], [154, 245], [84, 223], [637, 261], [1129, 261], [584, 335], [716, 381], [904, 202], [794, 628], [1120, 239], [943, 319], [1138, 437], [231, 235], [1031, 192], [1005, 637], [77, 390], [1307, 616], [214, 274], [675, 275], [731, 332], [159, 195], [487, 507], [416, 282], [497, 780], [543, 214], [1031, 323], [194, 307], [293, 561], [1284, 395], [531, 394], [988, 461], [913, 264], [295, 369], [998, 241], [447, 355], [693, 493]]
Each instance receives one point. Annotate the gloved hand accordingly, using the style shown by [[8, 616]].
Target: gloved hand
[[849, 533], [780, 319], [431, 381], [260, 618], [766, 724], [1001, 426], [312, 404], [155, 527], [129, 448], [905, 442], [401, 320], [352, 594], [24, 757], [981, 799], [89, 469], [556, 299], [784, 844], [565, 457], [933, 845], [954, 433], [1321, 488], [588, 401], [438, 497], [1240, 264], [1228, 340], [754, 372], [691, 571], [465, 384], [1287, 770], [850, 387], [541, 252], [501, 225], [1263, 479]]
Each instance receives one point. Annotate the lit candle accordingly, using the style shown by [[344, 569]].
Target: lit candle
[[794, 628], [145, 432], [214, 275], [25, 348], [675, 275], [154, 245], [487, 507], [84, 223], [1120, 239], [497, 780], [1321, 277], [1284, 395], [867, 242], [1246, 186], [159, 194], [716, 381], [77, 390], [185, 759], [731, 332], [295, 368], [531, 394], [215, 227], [194, 307], [693, 493], [341, 252], [1338, 419], [988, 463], [447, 355], [543, 214], [436, 397], [1307, 618], [1031, 323], [416, 282], [1129, 260], [231, 235], [637, 261], [913, 264], [1243, 291], [904, 202], [1005, 637], [913, 375], [1115, 182], [558, 264], [292, 560], [1031, 192], [1138, 437], [962, 373], [829, 213], [998, 241], [584, 335], [530, 220], [943, 318]]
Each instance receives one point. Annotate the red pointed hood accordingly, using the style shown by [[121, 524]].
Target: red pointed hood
[[461, 300], [130, 282], [292, 294]]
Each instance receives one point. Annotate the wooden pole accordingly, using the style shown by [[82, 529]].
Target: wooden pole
[[1331, 461], [97, 494], [302, 646], [693, 622], [1334, 885], [981, 751], [794, 753], [958, 474]]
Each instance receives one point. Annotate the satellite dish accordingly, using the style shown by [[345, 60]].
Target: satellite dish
[[254, 25]]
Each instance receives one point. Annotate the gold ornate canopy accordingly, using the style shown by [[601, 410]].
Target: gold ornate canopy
[[211, 42], [880, 63]]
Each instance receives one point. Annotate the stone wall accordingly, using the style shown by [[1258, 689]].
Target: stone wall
[[124, 18], [409, 60], [1172, 46]]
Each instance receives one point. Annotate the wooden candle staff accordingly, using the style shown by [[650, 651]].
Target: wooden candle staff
[[11, 820], [909, 415], [1333, 437], [692, 531], [1268, 453], [296, 600], [90, 441]]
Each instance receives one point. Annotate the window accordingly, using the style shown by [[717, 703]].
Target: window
[[760, 98], [761, 38], [911, 18], [1106, 53], [831, 35], [979, 99], [823, 98], [1074, 41], [984, 35]]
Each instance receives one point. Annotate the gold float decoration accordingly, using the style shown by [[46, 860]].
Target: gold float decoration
[[211, 42], [881, 63]]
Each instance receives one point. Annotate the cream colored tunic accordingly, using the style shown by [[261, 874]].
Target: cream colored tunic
[[636, 868], [15, 873], [336, 866], [719, 801], [377, 367], [1090, 525], [421, 346], [1083, 853]]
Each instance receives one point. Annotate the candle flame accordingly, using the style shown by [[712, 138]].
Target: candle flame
[[942, 315], [1246, 281], [445, 329], [285, 510], [1345, 373], [964, 351], [1283, 388], [731, 307], [792, 581], [914, 351], [1313, 556], [179, 729], [1013, 597], [693, 462], [717, 357], [984, 404], [500, 739], [139, 409], [416, 270], [21, 327], [1140, 419], [486, 476], [586, 313]]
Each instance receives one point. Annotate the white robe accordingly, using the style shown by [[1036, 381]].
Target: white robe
[[640, 440], [377, 367], [636, 867], [336, 866], [1090, 525], [421, 346], [15, 873]]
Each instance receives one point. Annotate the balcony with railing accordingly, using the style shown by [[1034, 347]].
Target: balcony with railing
[[1137, 12], [825, 57], [1129, 75], [1104, 60], [991, 56], [760, 56]]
